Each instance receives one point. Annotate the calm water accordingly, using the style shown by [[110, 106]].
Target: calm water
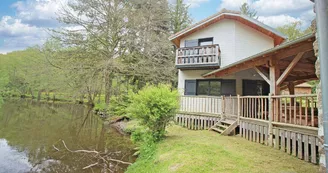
[[31, 134]]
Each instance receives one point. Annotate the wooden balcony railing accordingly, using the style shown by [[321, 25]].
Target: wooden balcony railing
[[200, 55]]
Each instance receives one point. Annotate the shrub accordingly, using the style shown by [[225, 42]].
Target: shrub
[[118, 104], [155, 107]]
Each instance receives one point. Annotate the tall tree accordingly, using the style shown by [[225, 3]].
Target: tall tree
[[246, 10], [151, 57], [179, 15], [99, 37]]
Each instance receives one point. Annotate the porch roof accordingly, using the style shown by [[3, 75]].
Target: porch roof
[[282, 67]]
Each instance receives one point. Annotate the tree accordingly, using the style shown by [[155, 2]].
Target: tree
[[293, 30], [246, 10], [180, 18]]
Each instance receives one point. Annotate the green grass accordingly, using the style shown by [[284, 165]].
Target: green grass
[[190, 151]]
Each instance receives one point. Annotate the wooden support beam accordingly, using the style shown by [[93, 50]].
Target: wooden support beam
[[291, 88], [308, 77], [299, 65], [289, 68], [274, 73], [263, 75]]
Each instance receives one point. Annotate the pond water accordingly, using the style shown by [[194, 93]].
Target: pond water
[[32, 135]]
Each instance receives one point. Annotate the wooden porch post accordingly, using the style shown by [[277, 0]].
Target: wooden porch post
[[270, 128], [274, 75], [274, 90], [223, 108], [291, 89]]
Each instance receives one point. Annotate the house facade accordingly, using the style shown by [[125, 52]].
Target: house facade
[[216, 42], [233, 71]]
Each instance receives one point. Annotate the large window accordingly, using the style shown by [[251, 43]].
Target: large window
[[213, 87]]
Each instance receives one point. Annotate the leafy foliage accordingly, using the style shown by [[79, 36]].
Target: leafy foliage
[[293, 30], [155, 107]]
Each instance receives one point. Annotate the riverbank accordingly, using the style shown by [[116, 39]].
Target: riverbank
[[205, 151]]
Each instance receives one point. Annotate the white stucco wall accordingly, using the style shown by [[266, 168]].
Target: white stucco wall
[[250, 41]]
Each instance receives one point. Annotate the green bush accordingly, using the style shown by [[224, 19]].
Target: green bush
[[100, 107], [155, 107], [118, 104]]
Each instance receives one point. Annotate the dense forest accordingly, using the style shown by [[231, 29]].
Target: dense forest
[[104, 48]]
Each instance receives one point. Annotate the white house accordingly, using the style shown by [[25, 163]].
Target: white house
[[229, 63], [216, 42]]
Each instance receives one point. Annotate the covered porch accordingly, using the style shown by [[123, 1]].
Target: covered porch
[[286, 122], [282, 67]]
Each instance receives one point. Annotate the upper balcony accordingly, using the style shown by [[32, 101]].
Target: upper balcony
[[198, 57]]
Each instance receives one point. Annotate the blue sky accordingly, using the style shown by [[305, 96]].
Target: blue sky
[[24, 23]]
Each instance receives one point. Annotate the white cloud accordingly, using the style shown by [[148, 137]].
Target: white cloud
[[276, 7], [279, 20], [232, 4], [38, 12], [29, 26], [276, 12], [10, 27], [17, 35]]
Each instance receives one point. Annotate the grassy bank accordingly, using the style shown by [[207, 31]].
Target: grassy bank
[[204, 151]]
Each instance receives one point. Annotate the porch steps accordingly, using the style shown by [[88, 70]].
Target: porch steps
[[225, 127]]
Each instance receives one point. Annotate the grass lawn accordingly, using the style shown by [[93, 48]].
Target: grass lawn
[[205, 151]]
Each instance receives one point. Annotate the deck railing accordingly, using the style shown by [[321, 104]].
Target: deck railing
[[296, 109], [199, 55], [230, 105], [290, 109], [201, 104], [255, 107]]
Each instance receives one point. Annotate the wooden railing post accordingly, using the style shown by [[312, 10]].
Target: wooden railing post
[[270, 120], [223, 108], [238, 108]]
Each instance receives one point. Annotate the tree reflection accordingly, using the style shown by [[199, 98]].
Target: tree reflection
[[35, 127]]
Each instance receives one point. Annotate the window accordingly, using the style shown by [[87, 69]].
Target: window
[[255, 87], [215, 88], [190, 87], [199, 42], [212, 87], [205, 41], [191, 43], [202, 87]]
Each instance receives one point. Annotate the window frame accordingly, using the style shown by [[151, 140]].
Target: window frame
[[209, 88]]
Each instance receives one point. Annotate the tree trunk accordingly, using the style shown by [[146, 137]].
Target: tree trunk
[[108, 86], [31, 92], [54, 98], [39, 95]]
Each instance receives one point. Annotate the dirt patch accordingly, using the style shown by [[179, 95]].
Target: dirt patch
[[175, 167]]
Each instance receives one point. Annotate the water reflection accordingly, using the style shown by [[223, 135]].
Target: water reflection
[[30, 132]]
